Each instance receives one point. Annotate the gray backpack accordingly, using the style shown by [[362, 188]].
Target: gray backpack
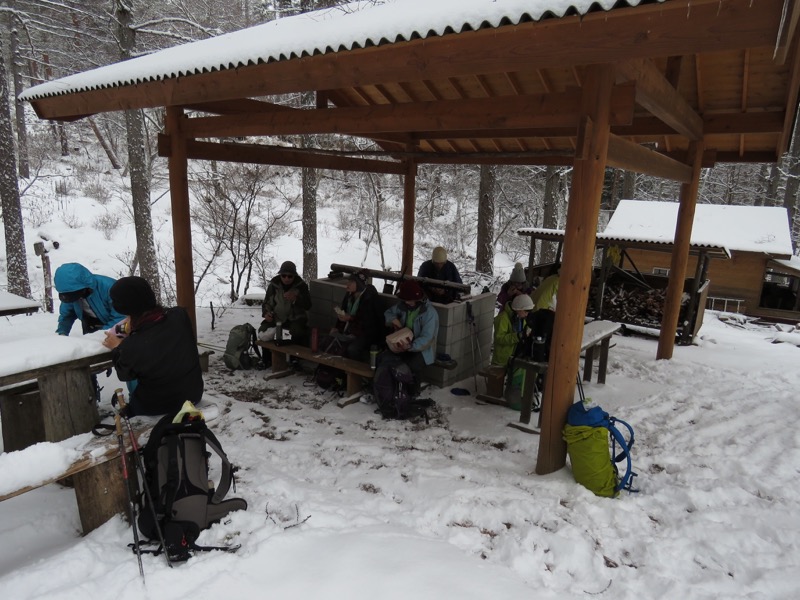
[[176, 473], [241, 340]]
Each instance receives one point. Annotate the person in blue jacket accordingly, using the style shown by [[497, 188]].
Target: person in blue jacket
[[84, 296], [415, 312]]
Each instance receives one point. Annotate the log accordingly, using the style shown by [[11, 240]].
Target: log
[[392, 276]]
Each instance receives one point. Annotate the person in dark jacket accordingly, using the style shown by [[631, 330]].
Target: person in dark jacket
[[159, 351], [360, 316], [84, 296], [438, 267], [287, 301]]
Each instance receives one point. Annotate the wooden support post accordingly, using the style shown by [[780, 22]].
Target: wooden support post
[[576, 268], [68, 403], [680, 254], [409, 206], [181, 221]]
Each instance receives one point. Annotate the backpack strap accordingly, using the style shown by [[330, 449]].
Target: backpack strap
[[253, 344], [626, 481], [170, 487], [227, 469]]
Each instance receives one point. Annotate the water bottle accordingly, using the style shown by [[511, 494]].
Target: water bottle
[[278, 331], [537, 351], [373, 356]]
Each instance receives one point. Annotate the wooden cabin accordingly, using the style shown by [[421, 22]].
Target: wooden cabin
[[760, 278]]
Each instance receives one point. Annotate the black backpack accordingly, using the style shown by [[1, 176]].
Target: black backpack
[[185, 501], [241, 340], [393, 388]]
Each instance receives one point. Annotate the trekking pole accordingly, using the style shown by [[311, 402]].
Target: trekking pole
[[471, 321], [131, 507], [120, 396]]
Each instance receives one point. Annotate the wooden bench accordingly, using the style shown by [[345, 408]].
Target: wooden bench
[[355, 370], [96, 474], [597, 333]]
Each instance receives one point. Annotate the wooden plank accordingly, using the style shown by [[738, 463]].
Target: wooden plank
[[68, 403], [630, 156], [273, 155], [100, 492], [536, 110], [22, 421], [338, 362], [654, 92], [98, 362]]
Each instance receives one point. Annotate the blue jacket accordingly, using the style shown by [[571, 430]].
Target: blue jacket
[[71, 277], [425, 327]]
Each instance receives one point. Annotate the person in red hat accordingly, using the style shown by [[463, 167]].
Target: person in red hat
[[415, 312]]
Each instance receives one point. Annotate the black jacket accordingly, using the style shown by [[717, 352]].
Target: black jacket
[[162, 356], [368, 323]]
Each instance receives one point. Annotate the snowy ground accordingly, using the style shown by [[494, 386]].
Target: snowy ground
[[345, 505]]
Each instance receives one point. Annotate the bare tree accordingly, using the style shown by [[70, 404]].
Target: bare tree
[[484, 256]]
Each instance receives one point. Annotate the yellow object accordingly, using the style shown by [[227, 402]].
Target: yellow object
[[188, 412]]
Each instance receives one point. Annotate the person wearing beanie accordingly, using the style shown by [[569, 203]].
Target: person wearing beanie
[[157, 351], [512, 333], [85, 297], [359, 319], [287, 302], [438, 267], [517, 284], [415, 312]]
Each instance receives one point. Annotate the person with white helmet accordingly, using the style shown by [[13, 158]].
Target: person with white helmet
[[438, 267], [510, 327]]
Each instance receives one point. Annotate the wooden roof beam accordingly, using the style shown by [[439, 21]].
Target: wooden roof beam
[[288, 157], [630, 156], [513, 112], [658, 96]]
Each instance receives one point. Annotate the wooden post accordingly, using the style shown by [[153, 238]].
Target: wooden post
[[680, 254], [68, 402], [576, 268], [409, 207], [181, 223], [40, 250], [100, 492]]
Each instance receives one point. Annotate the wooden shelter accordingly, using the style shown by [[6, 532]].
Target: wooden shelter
[[664, 88]]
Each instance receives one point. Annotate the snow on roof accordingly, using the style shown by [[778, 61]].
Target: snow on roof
[[348, 27], [763, 229], [792, 264]]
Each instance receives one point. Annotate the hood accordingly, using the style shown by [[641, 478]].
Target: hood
[[71, 277]]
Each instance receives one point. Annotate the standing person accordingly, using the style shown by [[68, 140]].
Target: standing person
[[438, 267], [517, 284], [287, 302], [360, 316], [159, 351], [85, 297], [415, 312], [544, 309]]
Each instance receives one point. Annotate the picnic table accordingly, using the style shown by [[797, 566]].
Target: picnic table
[[11, 304], [46, 389]]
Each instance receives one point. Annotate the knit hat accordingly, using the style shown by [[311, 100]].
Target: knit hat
[[132, 296], [522, 302], [518, 274], [361, 280], [409, 290], [288, 267], [439, 255]]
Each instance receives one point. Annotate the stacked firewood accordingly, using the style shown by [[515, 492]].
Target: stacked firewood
[[633, 305]]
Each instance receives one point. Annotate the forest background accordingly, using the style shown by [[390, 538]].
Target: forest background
[[238, 211]]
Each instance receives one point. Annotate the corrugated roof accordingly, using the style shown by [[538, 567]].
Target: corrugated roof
[[605, 239], [762, 229], [350, 27]]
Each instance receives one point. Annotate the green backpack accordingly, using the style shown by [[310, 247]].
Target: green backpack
[[241, 340], [587, 433]]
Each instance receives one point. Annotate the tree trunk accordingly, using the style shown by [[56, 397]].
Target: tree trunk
[[628, 186], [19, 108], [112, 157], [550, 213], [17, 263], [484, 259], [310, 183], [791, 163], [137, 160]]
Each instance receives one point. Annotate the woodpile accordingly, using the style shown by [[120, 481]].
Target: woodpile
[[634, 305]]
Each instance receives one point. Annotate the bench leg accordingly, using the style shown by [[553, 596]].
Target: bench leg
[[22, 421], [279, 362], [601, 367], [100, 492], [68, 403], [588, 361]]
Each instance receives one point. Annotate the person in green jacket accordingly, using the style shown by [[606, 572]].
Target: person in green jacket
[[509, 327]]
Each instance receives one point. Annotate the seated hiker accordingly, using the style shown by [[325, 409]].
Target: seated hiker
[[359, 317], [516, 285], [512, 333], [414, 312], [84, 296], [543, 315], [160, 351], [287, 302], [438, 267]]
